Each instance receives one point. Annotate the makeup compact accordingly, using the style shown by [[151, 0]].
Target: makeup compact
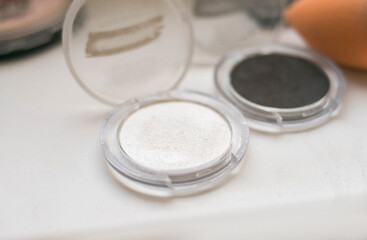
[[280, 88], [133, 53], [26, 24], [158, 140]]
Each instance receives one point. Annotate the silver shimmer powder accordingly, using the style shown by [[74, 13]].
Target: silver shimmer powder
[[175, 135]]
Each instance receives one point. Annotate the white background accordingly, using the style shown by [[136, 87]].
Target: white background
[[54, 182]]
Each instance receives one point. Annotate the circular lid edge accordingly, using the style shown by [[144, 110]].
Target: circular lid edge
[[67, 32]]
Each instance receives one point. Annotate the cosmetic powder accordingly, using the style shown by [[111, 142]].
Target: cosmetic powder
[[279, 81], [175, 135]]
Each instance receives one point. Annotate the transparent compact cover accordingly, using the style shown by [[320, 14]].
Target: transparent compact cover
[[223, 25], [120, 50], [272, 119]]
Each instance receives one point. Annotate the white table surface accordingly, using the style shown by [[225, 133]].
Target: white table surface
[[54, 182]]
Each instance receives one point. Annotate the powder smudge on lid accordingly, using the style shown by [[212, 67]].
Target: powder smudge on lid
[[124, 39]]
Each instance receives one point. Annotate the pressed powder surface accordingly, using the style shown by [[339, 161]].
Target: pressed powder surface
[[175, 135], [279, 81]]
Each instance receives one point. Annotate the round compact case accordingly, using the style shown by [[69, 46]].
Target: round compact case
[[281, 88], [158, 140]]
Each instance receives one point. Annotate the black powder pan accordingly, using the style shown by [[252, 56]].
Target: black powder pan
[[281, 88]]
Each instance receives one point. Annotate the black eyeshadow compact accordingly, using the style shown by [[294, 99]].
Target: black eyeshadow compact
[[281, 88]]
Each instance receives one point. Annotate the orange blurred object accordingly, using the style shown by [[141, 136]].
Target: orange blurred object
[[336, 28]]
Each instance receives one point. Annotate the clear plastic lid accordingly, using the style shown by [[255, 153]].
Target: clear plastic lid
[[223, 25], [121, 50]]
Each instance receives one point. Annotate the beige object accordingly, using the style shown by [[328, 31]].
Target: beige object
[[336, 28], [35, 15]]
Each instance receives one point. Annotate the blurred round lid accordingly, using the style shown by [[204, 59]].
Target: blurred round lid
[[124, 49], [223, 25]]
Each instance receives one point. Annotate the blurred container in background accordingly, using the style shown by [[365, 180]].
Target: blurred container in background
[[26, 24], [221, 26]]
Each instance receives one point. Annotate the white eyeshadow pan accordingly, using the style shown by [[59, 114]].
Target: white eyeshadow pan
[[175, 135], [174, 143]]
